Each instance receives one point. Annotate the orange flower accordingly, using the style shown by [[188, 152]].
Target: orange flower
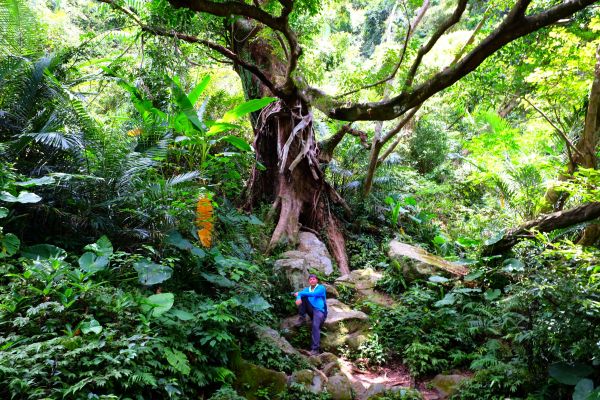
[[135, 132], [204, 218]]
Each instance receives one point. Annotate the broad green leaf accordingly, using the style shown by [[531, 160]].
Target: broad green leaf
[[448, 300], [150, 273], [492, 294], [178, 360], [467, 242], [494, 238], [90, 262], [103, 247], [257, 304], [246, 108], [219, 127], [3, 212], [471, 276], [9, 245], [438, 279], [175, 239], [46, 180], [182, 315], [439, 240], [92, 326], [158, 304], [569, 374], [237, 142], [218, 280], [583, 389], [186, 106], [43, 251], [198, 90], [513, 265], [23, 197]]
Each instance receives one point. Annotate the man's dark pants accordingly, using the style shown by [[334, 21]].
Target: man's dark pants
[[318, 318]]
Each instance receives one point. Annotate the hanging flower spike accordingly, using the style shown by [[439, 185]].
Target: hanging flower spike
[[135, 132], [204, 218]]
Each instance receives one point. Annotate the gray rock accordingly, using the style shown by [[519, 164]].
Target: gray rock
[[310, 379], [272, 336], [249, 378], [417, 263], [331, 368], [446, 385], [363, 282], [294, 270], [339, 387]]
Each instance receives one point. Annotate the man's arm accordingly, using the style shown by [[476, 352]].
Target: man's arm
[[318, 292]]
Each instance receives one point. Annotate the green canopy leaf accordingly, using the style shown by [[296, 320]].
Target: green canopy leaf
[[90, 262], [158, 304], [246, 108], [150, 273], [240, 143], [23, 197], [43, 251], [9, 245], [92, 326], [103, 247], [178, 360]]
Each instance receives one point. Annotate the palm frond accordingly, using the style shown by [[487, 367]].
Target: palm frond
[[177, 179]]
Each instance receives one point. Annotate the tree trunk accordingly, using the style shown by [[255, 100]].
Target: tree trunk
[[546, 223], [287, 171]]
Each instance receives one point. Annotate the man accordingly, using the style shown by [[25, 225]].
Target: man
[[312, 301]]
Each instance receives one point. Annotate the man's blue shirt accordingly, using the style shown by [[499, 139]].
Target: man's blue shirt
[[316, 297]]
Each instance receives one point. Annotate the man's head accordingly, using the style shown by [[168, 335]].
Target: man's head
[[312, 280]]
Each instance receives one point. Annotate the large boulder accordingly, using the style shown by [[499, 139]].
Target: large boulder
[[312, 380], [417, 263], [339, 387], [272, 336], [363, 282], [311, 254], [250, 378], [447, 385], [343, 326]]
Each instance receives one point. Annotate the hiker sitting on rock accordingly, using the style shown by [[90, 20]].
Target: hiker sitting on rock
[[312, 301]]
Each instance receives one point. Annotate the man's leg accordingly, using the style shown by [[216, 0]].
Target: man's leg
[[317, 321]]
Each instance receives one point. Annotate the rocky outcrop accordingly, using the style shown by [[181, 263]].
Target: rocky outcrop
[[343, 326], [447, 385], [249, 378], [311, 254], [273, 337], [417, 263], [339, 387], [362, 282]]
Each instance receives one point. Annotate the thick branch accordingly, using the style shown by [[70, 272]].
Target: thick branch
[[514, 26], [454, 18], [546, 223]]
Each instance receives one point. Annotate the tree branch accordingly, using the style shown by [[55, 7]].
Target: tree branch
[[514, 26]]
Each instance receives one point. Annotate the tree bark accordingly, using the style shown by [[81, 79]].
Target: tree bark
[[546, 223]]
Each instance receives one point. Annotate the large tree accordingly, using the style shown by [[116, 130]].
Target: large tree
[[265, 50]]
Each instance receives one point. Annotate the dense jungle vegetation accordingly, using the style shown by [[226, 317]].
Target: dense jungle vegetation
[[157, 157]]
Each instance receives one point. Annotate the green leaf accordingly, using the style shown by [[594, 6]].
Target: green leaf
[[158, 304], [471, 276], [495, 238], [9, 245], [246, 108], [175, 239], [182, 315], [90, 262], [3, 212], [513, 265], [150, 273], [23, 197], [492, 294], [219, 127], [438, 279], [240, 143], [46, 180], [569, 374], [467, 242], [439, 240], [256, 304], [92, 326], [198, 90], [186, 105], [218, 280], [583, 389], [103, 247], [43, 251], [178, 360], [448, 300]]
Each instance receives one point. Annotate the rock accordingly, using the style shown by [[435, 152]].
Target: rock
[[379, 390], [272, 336], [332, 292], [374, 390], [417, 263], [363, 282], [322, 359], [310, 379], [339, 387], [342, 326], [294, 270], [249, 378], [331, 368], [446, 385]]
